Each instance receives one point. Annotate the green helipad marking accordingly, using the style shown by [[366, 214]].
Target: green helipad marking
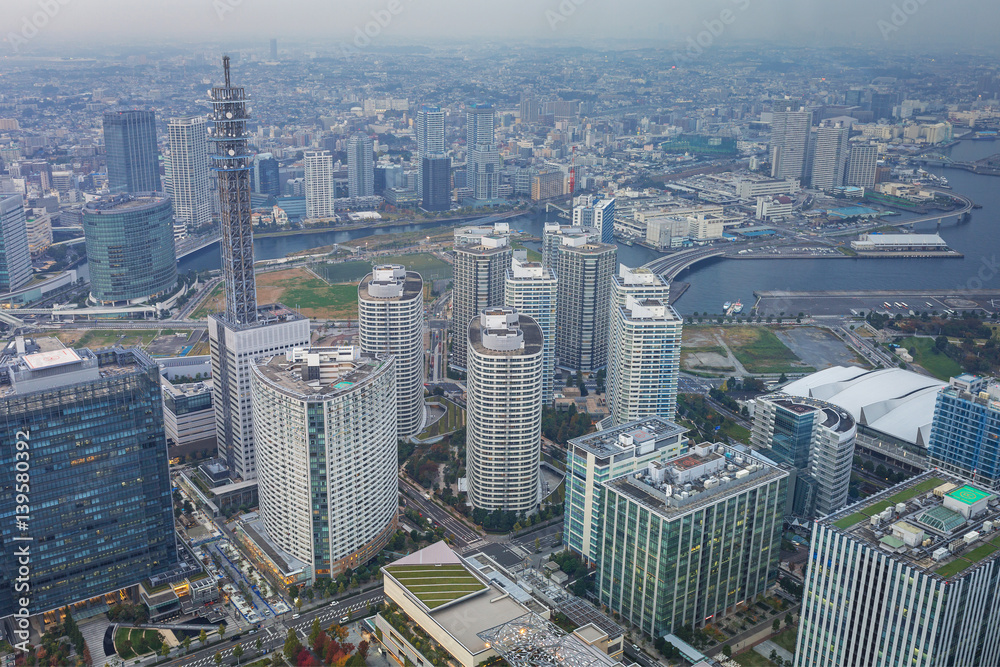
[[968, 495]]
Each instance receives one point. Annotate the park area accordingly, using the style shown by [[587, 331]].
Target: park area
[[427, 265], [929, 357], [130, 643], [156, 342], [452, 419]]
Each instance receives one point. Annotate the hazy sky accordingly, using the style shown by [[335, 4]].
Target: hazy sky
[[938, 24]]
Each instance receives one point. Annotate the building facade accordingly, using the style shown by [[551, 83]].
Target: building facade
[[531, 290], [504, 411], [583, 310], [598, 214], [391, 321], [265, 176], [15, 253], [319, 184], [133, 159], [965, 433], [325, 421], [188, 185], [862, 166], [130, 248], [789, 143], [435, 182], [483, 156], [829, 165], [429, 130], [360, 166], [482, 257], [552, 236]]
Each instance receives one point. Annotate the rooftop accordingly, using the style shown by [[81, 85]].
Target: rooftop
[[942, 524], [834, 418], [397, 288], [527, 327], [627, 437], [341, 369]]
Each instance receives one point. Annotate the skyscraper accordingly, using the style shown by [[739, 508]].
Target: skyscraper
[[862, 166], [504, 411], [89, 425], [483, 155], [325, 422], [965, 433], [429, 129], [584, 269], [644, 349], [482, 257], [815, 438], [435, 179], [883, 105], [529, 108], [130, 248], [687, 539], [264, 177], [360, 166], [245, 331], [15, 255], [391, 321], [552, 237], [789, 143], [189, 182], [830, 159], [598, 214], [909, 576], [531, 290], [133, 160], [319, 184], [274, 49]]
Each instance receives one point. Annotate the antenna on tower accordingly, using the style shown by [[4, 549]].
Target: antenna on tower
[[225, 67]]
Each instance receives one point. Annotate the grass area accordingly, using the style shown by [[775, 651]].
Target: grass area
[[96, 339], [533, 255], [435, 585], [901, 497], [850, 520], [923, 487], [344, 271], [215, 302], [453, 420], [786, 639], [298, 289], [428, 266], [441, 235], [133, 636], [981, 552], [736, 432], [877, 508], [763, 352], [953, 568], [927, 355], [752, 659]]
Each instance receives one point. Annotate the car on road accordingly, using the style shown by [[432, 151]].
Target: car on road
[[296, 615], [345, 619], [333, 604]]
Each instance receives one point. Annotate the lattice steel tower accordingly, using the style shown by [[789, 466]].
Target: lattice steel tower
[[232, 161]]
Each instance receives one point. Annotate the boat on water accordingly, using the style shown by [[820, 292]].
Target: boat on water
[[727, 305], [737, 307]]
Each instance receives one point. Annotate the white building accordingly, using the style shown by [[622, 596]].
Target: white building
[[830, 156], [15, 255], [360, 166], [391, 320], [188, 417], [482, 257], [596, 213], [319, 184], [789, 143], [429, 130], [325, 420], [504, 411], [188, 182], [774, 208], [748, 189], [644, 349], [531, 290]]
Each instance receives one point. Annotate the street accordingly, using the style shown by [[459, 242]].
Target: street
[[464, 536]]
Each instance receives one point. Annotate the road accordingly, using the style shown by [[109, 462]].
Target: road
[[463, 535]]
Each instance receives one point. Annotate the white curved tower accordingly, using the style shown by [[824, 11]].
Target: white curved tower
[[325, 426], [391, 320], [504, 410]]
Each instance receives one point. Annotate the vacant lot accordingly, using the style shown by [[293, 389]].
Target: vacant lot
[[96, 339], [298, 289], [927, 355], [819, 347], [756, 348]]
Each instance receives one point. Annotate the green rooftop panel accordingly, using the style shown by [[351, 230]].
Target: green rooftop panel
[[969, 495]]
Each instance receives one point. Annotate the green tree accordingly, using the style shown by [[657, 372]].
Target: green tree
[[222, 630], [314, 631], [164, 651], [293, 591], [727, 651], [292, 645], [203, 637], [217, 657], [187, 643], [775, 625], [238, 652]]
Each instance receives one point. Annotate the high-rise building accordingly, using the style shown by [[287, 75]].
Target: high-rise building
[[133, 160], [829, 165], [320, 194], [531, 290], [504, 411], [264, 177], [909, 576], [789, 143], [274, 49], [884, 105], [595, 458], [482, 257], [965, 433], [584, 269], [435, 179], [815, 438], [552, 239], [529, 108], [391, 321], [360, 166], [89, 425], [15, 253], [480, 125], [245, 331], [688, 539], [644, 349], [130, 248], [599, 214], [429, 129], [325, 422], [483, 155], [862, 166], [188, 185]]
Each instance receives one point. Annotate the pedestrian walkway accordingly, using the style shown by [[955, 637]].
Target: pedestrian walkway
[[764, 648], [93, 631]]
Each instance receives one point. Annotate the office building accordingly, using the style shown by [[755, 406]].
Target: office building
[[531, 290], [883, 105], [644, 348], [483, 156], [598, 214], [829, 164], [482, 257], [584, 270], [100, 516], [320, 193], [909, 576], [862, 166], [130, 248], [552, 238], [691, 538], [429, 130], [529, 108], [789, 143], [360, 166], [325, 422], [264, 177], [435, 180], [965, 434], [188, 416], [597, 457], [391, 321], [15, 253], [189, 169], [504, 411], [274, 49], [815, 438], [548, 185], [133, 159]]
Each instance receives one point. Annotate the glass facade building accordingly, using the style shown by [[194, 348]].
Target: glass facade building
[[133, 160], [98, 493], [965, 434], [264, 175], [15, 254], [130, 248]]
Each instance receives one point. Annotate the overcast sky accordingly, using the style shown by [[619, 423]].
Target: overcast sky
[[937, 24]]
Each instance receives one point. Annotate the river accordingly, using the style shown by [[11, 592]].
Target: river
[[718, 280]]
